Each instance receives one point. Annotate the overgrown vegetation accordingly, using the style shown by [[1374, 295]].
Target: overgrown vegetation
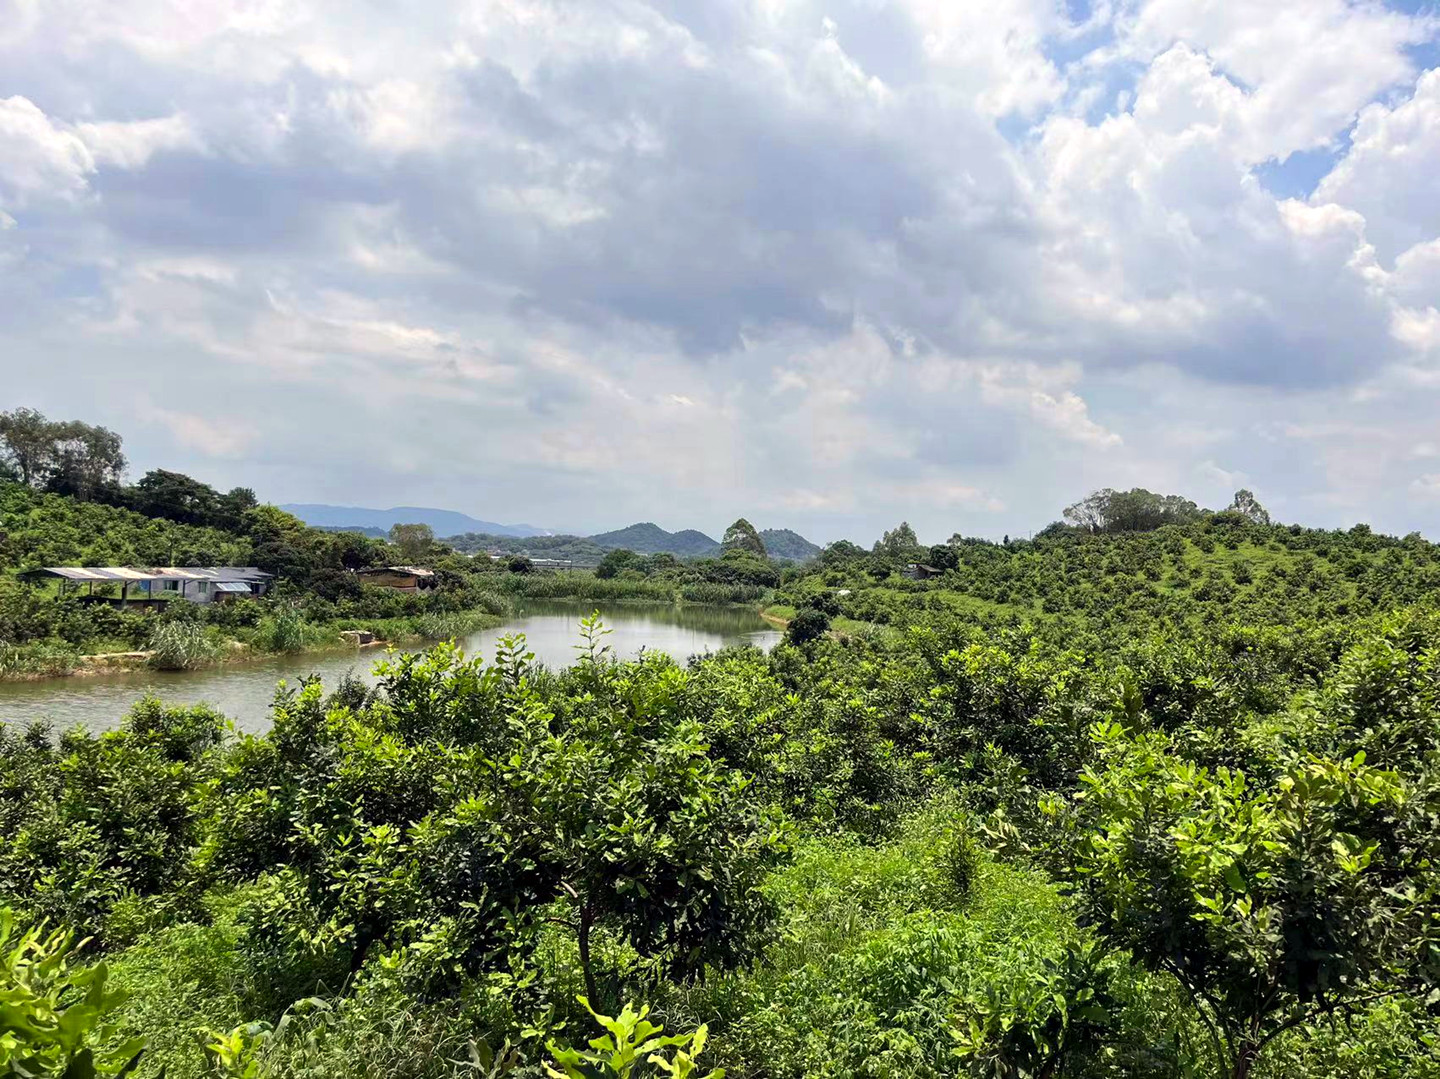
[[1090, 806]]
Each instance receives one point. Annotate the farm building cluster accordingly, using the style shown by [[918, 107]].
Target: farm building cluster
[[141, 586]]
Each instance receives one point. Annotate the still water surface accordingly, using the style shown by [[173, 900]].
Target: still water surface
[[243, 692]]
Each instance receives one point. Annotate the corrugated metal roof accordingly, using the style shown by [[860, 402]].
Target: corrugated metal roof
[[208, 573], [416, 571], [91, 573], [232, 586], [155, 573]]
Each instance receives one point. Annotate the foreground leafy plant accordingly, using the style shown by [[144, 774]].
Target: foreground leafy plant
[[55, 1016], [1059, 1009], [631, 1041], [1274, 906]]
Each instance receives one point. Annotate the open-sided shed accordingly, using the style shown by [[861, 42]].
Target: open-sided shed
[[197, 584]]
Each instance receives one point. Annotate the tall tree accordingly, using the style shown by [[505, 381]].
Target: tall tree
[[1245, 502], [27, 440], [899, 542], [176, 497], [943, 556], [741, 536], [1135, 510], [231, 508], [414, 541], [68, 457], [87, 460]]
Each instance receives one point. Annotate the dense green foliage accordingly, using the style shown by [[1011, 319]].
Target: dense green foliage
[[736, 577], [1100, 590], [949, 852], [55, 1011], [1149, 801]]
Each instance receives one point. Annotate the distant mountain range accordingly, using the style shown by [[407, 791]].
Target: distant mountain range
[[444, 522], [467, 533], [646, 538], [786, 546]]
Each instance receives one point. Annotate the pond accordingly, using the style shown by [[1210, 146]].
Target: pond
[[244, 691]]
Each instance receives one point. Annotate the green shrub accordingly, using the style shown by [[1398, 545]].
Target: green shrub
[[960, 862], [284, 631], [807, 625], [57, 1015], [43, 659], [631, 1046]]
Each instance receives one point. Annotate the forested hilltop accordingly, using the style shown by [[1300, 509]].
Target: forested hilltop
[[1151, 794], [1101, 583]]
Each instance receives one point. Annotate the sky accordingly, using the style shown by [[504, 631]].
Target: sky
[[829, 265]]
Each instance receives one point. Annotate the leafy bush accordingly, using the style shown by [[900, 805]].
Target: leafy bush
[[283, 631], [629, 1044], [807, 625], [56, 1015]]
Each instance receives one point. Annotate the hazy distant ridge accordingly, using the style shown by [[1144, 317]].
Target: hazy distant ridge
[[444, 522], [644, 538]]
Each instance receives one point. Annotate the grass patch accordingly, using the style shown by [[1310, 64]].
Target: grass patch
[[37, 659], [182, 646]]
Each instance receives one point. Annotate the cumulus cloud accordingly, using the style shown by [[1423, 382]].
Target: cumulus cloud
[[841, 263], [1389, 174], [40, 160]]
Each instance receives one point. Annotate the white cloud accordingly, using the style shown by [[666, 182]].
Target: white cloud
[[1389, 173], [851, 262], [1309, 66], [39, 160], [213, 437], [130, 145]]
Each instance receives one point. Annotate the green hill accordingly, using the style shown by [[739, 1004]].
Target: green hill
[[39, 529], [785, 545], [649, 538], [782, 544], [577, 549], [1212, 571]]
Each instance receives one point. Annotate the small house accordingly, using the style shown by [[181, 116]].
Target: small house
[[919, 571], [400, 578]]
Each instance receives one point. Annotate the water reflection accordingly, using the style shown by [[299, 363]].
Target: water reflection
[[243, 693]]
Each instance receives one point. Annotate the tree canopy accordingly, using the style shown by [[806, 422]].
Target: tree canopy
[[1136, 510], [414, 541], [67, 457], [741, 536]]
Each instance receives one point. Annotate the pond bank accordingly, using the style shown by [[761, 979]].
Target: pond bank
[[244, 690], [392, 633]]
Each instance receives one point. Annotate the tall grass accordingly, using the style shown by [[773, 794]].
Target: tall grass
[[718, 592], [580, 584], [181, 646], [37, 659], [443, 625], [492, 603], [284, 631]]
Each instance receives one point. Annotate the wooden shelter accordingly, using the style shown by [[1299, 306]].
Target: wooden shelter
[[400, 578]]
